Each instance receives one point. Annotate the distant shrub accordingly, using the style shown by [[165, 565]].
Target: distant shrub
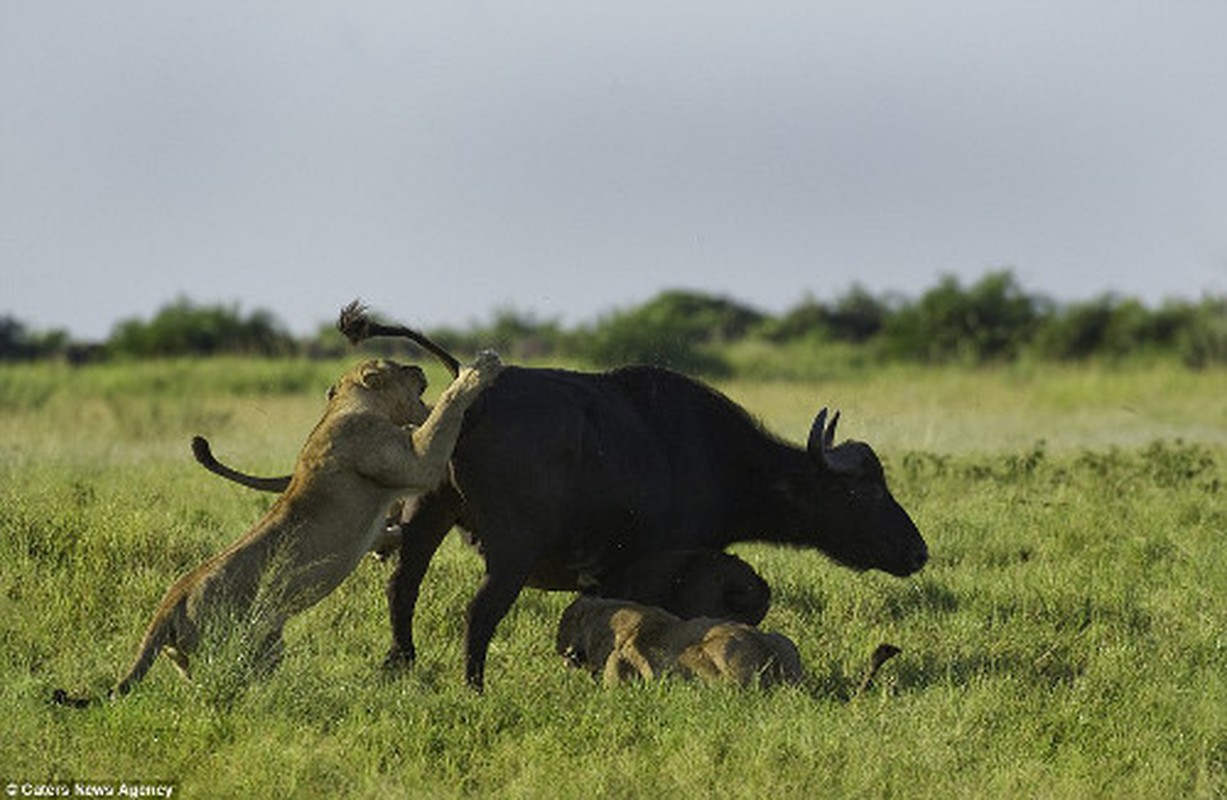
[[1203, 341], [1108, 326], [1114, 327], [183, 328], [856, 317], [991, 320], [19, 343], [1078, 331], [516, 335], [676, 329]]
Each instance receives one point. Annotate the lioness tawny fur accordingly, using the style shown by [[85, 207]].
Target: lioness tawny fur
[[362, 455], [621, 640]]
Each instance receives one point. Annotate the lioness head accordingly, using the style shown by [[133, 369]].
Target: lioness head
[[385, 387]]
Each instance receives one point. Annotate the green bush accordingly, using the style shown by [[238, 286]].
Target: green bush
[[19, 343], [990, 321], [184, 328], [993, 320], [516, 335], [1203, 342], [855, 317], [676, 329]]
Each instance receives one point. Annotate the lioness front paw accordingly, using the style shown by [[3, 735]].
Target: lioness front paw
[[487, 365], [487, 359]]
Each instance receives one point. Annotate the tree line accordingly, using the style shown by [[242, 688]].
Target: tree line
[[992, 320]]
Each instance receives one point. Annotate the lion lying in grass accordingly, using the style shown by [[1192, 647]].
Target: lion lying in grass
[[621, 641], [363, 455]]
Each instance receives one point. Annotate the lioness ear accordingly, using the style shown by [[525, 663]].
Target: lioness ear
[[373, 376]]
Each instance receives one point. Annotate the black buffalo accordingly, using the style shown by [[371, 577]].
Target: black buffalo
[[561, 478]]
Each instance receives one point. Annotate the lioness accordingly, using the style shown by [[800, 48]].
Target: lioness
[[363, 455], [621, 641]]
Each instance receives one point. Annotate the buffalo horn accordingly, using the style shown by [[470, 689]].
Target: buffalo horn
[[822, 435], [821, 445]]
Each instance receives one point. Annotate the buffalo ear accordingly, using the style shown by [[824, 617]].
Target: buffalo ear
[[796, 487]]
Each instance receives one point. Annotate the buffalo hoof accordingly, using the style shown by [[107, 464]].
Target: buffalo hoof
[[61, 698], [397, 661]]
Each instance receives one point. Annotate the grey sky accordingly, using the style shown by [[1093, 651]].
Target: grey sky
[[444, 159]]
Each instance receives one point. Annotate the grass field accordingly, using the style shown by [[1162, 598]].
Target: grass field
[[1068, 639]]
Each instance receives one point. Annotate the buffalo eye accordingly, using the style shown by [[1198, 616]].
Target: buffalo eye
[[872, 492]]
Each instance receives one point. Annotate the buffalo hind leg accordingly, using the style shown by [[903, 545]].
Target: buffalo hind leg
[[421, 536], [493, 600]]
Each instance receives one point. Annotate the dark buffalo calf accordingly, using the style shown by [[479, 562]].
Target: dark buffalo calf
[[691, 583]]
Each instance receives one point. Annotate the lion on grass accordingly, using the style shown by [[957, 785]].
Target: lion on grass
[[364, 454], [621, 640]]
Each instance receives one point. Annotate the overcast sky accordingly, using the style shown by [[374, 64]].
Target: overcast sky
[[442, 160]]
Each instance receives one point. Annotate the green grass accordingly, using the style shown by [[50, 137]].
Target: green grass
[[1067, 639]]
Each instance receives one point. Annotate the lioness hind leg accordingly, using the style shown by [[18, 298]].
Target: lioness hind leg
[[702, 661], [623, 667]]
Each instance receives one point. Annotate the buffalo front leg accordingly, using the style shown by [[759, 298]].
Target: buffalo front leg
[[421, 536]]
